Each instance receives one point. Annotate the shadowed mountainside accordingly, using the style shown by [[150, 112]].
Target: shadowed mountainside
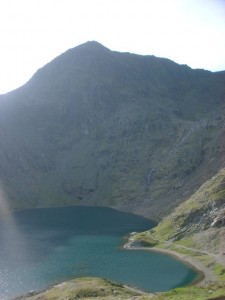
[[94, 126]]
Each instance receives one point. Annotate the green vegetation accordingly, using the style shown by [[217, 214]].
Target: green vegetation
[[96, 288], [203, 212], [145, 239], [219, 271], [192, 293], [84, 288]]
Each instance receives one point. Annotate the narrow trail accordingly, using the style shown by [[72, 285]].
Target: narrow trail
[[219, 257]]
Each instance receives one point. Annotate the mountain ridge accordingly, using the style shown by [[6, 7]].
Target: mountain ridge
[[96, 126]]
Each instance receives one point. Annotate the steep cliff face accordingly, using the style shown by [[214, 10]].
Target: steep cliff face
[[116, 129]]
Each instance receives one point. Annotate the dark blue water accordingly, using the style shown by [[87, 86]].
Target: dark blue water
[[40, 247]]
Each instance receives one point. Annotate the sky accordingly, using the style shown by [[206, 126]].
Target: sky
[[33, 32]]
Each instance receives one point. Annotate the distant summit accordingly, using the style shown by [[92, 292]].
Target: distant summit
[[92, 45]]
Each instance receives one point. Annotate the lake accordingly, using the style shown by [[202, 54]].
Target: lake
[[40, 247]]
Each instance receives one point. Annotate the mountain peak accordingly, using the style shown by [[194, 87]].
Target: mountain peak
[[92, 46]]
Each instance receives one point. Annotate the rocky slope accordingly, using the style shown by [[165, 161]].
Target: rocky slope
[[197, 223], [94, 126]]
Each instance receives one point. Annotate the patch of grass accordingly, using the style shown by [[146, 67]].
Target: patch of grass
[[90, 292], [219, 271], [113, 283], [84, 288], [145, 239], [187, 242], [205, 259], [164, 231], [183, 251], [192, 293]]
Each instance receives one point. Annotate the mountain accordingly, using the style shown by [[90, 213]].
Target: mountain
[[98, 127]]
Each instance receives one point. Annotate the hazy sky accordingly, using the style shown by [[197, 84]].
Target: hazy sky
[[33, 32]]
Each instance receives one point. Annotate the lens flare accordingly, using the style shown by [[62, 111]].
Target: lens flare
[[12, 246]]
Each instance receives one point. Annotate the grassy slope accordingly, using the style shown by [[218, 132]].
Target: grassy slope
[[85, 288], [194, 216], [96, 288]]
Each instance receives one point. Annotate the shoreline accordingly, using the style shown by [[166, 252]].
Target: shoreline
[[124, 209], [205, 275]]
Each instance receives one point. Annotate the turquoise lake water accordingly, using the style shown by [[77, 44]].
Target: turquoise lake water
[[40, 247]]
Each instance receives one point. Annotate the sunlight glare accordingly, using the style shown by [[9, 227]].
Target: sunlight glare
[[12, 244]]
